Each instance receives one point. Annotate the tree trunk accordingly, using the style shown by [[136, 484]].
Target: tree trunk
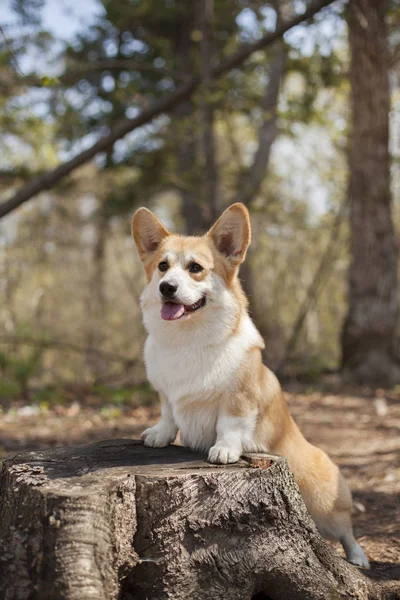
[[250, 184], [96, 305], [117, 520], [192, 207], [210, 182], [368, 339]]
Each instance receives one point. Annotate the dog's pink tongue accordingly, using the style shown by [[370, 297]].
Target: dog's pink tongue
[[171, 311]]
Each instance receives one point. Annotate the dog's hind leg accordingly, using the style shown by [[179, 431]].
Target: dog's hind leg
[[337, 526], [354, 553], [328, 499]]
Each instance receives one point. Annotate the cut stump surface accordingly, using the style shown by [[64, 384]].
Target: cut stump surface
[[115, 520]]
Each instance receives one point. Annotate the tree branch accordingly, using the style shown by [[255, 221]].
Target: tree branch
[[11, 51], [22, 340], [164, 105]]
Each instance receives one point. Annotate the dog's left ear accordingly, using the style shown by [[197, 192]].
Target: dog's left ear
[[147, 231], [231, 234]]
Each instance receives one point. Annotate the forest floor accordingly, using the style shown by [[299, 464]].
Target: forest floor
[[359, 428]]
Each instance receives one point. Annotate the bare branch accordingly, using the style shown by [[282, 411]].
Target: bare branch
[[164, 105], [128, 279], [24, 340], [11, 51]]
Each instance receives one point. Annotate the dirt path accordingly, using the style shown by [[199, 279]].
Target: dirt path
[[361, 434]]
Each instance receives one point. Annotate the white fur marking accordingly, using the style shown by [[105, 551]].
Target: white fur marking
[[188, 290], [233, 435], [164, 432]]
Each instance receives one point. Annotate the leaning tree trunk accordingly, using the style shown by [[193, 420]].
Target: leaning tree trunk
[[115, 520], [192, 208], [368, 339], [250, 185], [210, 179]]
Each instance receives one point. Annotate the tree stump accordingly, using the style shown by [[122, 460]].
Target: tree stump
[[116, 520]]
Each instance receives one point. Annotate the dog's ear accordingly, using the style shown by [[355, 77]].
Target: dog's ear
[[147, 231], [231, 234]]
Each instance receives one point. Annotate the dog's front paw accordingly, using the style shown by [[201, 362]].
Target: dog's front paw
[[157, 437], [221, 454]]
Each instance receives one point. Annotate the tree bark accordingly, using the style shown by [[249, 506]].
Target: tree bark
[[118, 520], [368, 339], [186, 147], [211, 186], [250, 184], [166, 104], [96, 303]]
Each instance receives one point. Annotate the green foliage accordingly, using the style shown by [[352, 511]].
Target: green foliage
[[9, 389], [48, 81], [3, 361], [18, 371], [142, 395], [25, 368], [47, 397], [313, 73]]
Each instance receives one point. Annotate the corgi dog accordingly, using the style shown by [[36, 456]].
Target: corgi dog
[[203, 356]]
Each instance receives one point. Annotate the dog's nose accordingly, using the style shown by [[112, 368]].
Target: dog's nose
[[168, 289]]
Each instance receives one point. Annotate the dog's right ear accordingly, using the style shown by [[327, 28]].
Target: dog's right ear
[[147, 231]]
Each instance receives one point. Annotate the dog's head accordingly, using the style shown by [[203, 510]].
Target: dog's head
[[188, 277]]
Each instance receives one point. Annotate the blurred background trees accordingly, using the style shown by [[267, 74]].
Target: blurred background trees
[[369, 334], [299, 132]]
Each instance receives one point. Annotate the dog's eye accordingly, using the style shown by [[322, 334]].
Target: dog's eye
[[163, 266], [195, 267]]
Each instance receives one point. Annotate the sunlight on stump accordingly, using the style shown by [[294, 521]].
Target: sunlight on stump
[[116, 520]]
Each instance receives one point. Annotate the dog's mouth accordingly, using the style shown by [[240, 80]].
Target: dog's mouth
[[170, 311]]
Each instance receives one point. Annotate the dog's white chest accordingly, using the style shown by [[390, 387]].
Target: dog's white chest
[[194, 376], [198, 428], [188, 380], [189, 371]]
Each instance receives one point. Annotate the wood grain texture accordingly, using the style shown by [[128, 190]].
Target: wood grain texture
[[115, 520]]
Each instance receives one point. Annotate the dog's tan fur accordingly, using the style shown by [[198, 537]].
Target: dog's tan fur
[[253, 388]]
